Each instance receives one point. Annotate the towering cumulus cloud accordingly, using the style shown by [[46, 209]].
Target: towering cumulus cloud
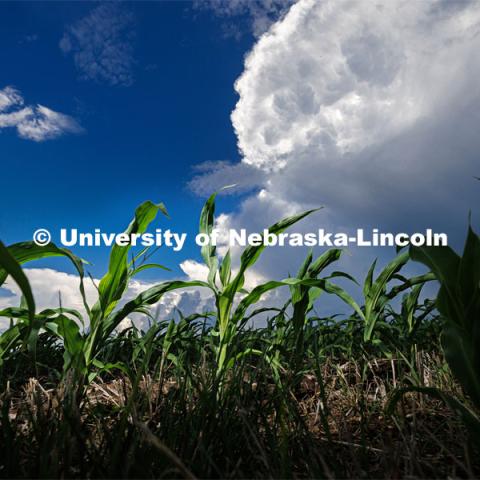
[[368, 108], [337, 77]]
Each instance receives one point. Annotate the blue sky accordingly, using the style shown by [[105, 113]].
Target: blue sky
[[140, 140], [369, 109]]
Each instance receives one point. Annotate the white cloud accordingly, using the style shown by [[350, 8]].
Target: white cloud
[[367, 108], [342, 76], [195, 270], [43, 124], [260, 13], [52, 288], [202, 300], [101, 45], [363, 107], [199, 271], [37, 123], [9, 97]]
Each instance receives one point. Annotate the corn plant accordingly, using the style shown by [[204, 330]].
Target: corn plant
[[81, 349], [226, 287], [305, 288], [414, 322], [458, 302], [24, 332], [376, 295], [303, 296]]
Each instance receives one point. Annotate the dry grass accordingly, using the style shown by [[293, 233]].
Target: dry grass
[[348, 430]]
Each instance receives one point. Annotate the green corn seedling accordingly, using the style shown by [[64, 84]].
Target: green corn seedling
[[376, 295]]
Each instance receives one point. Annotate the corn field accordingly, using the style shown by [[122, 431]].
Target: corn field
[[390, 390]]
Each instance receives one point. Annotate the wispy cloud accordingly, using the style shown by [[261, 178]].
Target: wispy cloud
[[212, 176], [31, 38], [101, 45], [260, 14], [33, 122]]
